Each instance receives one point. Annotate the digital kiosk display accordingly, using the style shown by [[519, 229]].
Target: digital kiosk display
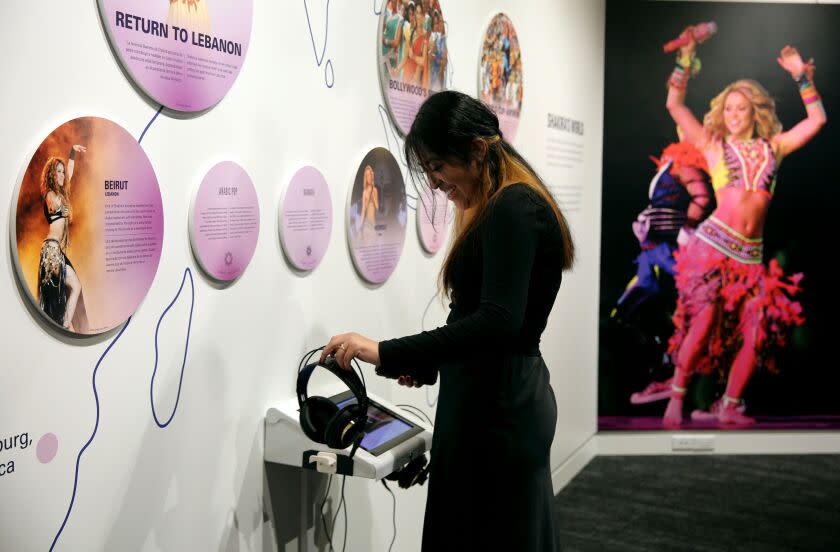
[[384, 430]]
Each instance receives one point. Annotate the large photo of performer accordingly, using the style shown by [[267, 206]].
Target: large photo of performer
[[725, 291]]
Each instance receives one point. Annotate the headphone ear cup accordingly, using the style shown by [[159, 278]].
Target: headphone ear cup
[[343, 429], [315, 417]]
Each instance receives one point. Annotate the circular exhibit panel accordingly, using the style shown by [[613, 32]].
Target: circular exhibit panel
[[500, 74], [377, 216], [305, 219], [88, 226], [185, 54], [412, 57], [433, 218], [224, 222]]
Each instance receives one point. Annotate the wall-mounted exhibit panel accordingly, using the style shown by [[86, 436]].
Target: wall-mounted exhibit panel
[[500, 73], [87, 229], [225, 222], [376, 216], [412, 57], [184, 54], [305, 219]]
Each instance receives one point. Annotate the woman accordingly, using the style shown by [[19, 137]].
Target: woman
[[729, 302], [419, 75], [437, 53], [406, 68], [59, 288], [496, 411], [370, 205]]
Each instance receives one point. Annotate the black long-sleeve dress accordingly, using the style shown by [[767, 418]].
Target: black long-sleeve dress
[[490, 480]]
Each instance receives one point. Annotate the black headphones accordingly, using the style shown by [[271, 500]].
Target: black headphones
[[322, 420]]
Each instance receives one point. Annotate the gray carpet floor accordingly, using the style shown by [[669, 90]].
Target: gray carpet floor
[[699, 503]]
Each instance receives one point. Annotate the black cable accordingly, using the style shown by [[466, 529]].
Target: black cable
[[340, 504], [346, 527], [323, 517], [407, 406], [393, 496]]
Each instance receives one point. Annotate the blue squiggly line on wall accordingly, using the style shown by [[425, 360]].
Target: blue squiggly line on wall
[[102, 357], [329, 72], [89, 441], [187, 272]]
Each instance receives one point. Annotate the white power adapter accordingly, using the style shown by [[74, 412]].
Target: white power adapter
[[326, 462]]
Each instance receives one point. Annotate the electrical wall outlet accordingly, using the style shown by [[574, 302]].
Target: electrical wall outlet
[[695, 443]]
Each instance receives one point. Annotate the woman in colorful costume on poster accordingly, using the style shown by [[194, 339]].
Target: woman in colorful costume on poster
[[59, 287], [733, 311]]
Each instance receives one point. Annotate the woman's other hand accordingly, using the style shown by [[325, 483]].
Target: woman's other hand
[[351, 345], [791, 61], [79, 149], [408, 381]]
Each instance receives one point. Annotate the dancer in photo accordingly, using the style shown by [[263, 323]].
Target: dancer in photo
[[733, 312], [437, 53], [370, 205], [391, 38], [59, 287]]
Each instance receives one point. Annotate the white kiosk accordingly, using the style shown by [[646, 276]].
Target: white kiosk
[[390, 442]]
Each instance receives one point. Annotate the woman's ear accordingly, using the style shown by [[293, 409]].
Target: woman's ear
[[479, 150]]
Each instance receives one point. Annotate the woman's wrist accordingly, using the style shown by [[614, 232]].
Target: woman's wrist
[[687, 65], [807, 90]]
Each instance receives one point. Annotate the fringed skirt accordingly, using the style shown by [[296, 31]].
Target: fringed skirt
[[722, 269]]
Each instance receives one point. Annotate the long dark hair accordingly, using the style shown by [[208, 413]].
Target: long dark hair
[[446, 127]]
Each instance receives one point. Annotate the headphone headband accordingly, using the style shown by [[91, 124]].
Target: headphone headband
[[349, 377]]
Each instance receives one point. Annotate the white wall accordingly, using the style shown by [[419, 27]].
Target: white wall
[[200, 484]]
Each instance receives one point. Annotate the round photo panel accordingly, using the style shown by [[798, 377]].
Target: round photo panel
[[88, 226], [185, 54], [412, 57], [305, 220], [377, 216], [434, 216], [500, 74], [225, 222]]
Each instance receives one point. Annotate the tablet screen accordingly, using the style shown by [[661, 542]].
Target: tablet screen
[[384, 429]]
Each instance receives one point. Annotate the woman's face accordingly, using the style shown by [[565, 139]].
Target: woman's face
[[368, 177], [738, 115], [59, 175], [458, 181]]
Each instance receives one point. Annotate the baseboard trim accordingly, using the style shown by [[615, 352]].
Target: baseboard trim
[[725, 442], [578, 460]]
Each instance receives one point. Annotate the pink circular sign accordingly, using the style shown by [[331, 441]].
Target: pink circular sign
[[500, 74], [185, 54], [433, 218], [88, 226], [377, 217], [225, 222], [306, 219], [413, 57]]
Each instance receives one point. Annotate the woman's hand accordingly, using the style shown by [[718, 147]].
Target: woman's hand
[[351, 345], [687, 50], [79, 149], [791, 61], [408, 381]]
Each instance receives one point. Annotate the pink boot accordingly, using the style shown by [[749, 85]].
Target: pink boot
[[730, 415], [656, 391]]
